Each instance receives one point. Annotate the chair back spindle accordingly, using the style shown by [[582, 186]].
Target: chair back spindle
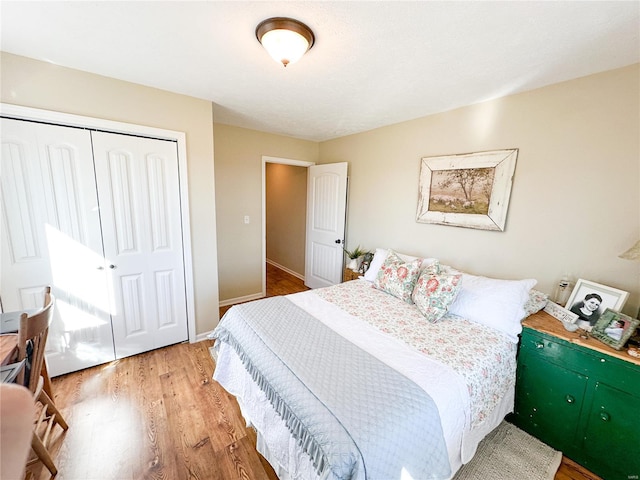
[[33, 332]]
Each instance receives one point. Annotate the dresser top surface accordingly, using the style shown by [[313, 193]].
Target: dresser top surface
[[545, 323]]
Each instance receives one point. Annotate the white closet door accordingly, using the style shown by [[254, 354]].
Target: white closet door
[[138, 191], [51, 236]]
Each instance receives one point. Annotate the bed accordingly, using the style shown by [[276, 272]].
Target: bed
[[399, 374]]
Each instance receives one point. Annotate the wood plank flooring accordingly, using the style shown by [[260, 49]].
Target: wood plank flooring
[[159, 415], [279, 282]]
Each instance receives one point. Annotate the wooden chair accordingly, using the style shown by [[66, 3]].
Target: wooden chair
[[48, 299], [16, 411], [33, 331]]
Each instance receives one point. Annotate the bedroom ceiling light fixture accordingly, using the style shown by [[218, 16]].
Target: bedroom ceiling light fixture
[[285, 39]]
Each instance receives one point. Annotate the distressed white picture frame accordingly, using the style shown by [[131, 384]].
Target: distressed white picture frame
[[612, 298], [503, 163]]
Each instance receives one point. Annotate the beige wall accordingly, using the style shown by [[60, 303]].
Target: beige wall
[[575, 202], [238, 154], [36, 84], [286, 202]]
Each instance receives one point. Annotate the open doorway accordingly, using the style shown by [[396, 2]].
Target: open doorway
[[284, 205]]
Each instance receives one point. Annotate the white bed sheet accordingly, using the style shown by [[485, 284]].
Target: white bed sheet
[[446, 387]]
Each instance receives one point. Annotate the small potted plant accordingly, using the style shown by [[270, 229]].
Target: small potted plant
[[354, 257]]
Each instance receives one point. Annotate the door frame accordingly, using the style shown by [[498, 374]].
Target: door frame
[[70, 120], [284, 161]]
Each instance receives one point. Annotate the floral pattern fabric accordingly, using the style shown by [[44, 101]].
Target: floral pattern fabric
[[484, 357], [397, 277], [536, 302], [434, 293]]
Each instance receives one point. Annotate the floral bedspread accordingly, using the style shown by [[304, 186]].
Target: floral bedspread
[[482, 356]]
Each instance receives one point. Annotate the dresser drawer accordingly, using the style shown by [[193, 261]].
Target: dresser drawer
[[560, 352], [587, 362]]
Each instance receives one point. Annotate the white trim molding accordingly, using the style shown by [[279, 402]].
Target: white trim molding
[[245, 298], [285, 269]]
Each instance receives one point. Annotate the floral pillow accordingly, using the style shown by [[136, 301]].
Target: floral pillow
[[536, 302], [397, 277], [380, 256], [434, 293]]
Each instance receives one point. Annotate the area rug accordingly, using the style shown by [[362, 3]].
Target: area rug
[[508, 453]]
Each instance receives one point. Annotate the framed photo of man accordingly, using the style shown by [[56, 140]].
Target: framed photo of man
[[614, 328], [589, 300]]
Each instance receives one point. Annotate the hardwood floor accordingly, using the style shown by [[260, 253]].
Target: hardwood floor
[[279, 282], [159, 415], [570, 470]]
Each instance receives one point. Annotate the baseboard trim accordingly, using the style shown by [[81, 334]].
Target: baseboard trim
[[246, 298], [285, 269], [257, 296], [202, 336]]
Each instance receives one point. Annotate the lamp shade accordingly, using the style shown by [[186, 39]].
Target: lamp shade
[[285, 39], [633, 253]]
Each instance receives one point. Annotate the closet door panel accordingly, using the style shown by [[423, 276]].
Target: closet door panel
[[138, 190], [52, 237], [22, 213]]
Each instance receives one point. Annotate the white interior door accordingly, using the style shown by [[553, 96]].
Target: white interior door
[[326, 208], [51, 236], [139, 196]]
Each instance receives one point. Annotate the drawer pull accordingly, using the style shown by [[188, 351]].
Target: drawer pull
[[604, 416], [570, 399], [539, 345]]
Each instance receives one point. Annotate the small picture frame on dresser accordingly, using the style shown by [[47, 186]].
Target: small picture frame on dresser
[[614, 328]]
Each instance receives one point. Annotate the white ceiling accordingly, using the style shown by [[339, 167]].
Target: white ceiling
[[373, 64]]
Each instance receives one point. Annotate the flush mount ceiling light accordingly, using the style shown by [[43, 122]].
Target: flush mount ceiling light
[[285, 39]]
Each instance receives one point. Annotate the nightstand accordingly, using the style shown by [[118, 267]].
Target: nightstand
[[580, 397], [349, 274]]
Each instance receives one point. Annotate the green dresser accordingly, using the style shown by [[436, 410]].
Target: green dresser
[[579, 396]]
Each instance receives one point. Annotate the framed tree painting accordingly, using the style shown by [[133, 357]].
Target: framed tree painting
[[467, 190]]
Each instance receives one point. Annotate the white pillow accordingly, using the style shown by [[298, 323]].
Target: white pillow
[[498, 304], [379, 257]]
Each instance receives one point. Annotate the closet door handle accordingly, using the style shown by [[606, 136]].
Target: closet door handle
[[100, 268], [112, 266]]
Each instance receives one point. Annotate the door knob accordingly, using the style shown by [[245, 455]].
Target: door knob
[[112, 266], [338, 241]]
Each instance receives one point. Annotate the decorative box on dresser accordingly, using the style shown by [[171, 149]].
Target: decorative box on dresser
[[579, 396]]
